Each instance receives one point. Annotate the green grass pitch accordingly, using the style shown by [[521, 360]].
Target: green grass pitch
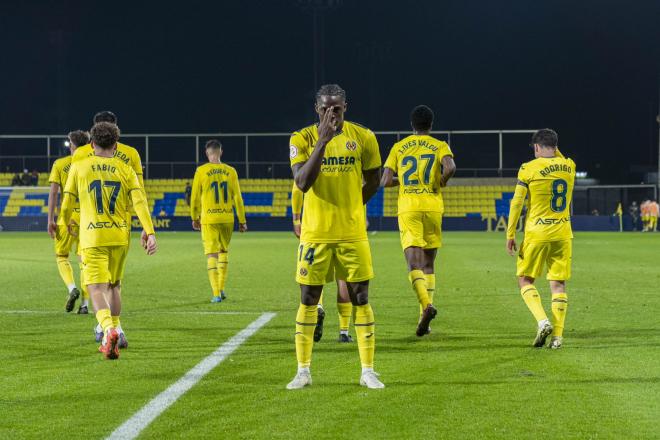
[[474, 377]]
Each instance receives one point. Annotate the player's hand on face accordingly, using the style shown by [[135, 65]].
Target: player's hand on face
[[511, 246], [296, 230], [196, 225], [52, 229], [242, 227], [151, 245], [328, 125]]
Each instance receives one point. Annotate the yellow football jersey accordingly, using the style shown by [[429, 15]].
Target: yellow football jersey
[[334, 209], [58, 175], [549, 182], [418, 162], [123, 152], [103, 186], [215, 194]]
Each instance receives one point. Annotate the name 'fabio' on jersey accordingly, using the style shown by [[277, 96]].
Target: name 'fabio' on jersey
[[417, 161], [550, 190]]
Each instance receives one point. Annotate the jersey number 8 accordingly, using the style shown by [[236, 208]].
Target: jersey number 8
[[559, 190]]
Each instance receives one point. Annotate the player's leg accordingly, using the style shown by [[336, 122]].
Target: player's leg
[[353, 264], [63, 243], [559, 270], [411, 230], [98, 277], [531, 259], [211, 242], [312, 268], [83, 309], [344, 310], [320, 317], [225, 232]]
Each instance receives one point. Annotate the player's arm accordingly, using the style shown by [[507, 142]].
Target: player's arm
[[196, 201], [296, 208], [515, 209], [448, 170], [52, 201], [371, 183], [306, 173], [239, 206], [70, 195], [141, 208], [388, 179]]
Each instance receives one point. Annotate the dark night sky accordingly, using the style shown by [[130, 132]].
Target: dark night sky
[[590, 69]]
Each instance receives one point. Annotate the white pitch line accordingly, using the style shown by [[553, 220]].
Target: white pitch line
[[141, 419]]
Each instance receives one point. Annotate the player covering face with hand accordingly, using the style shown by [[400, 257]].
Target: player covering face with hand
[[330, 160]]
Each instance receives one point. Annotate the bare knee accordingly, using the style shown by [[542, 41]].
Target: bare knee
[[525, 281], [557, 286], [359, 293], [310, 295]]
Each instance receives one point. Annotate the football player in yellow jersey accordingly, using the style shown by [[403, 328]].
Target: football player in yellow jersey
[[64, 241], [344, 306], [215, 195], [548, 182], [106, 188], [329, 161], [130, 157], [424, 164]]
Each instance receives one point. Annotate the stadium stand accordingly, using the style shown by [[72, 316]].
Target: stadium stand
[[271, 198]]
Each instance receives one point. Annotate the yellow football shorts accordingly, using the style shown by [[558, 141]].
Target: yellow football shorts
[[216, 237], [104, 264], [420, 229], [555, 255], [65, 241], [321, 263]]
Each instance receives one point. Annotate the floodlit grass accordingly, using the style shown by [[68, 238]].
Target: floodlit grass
[[475, 376]]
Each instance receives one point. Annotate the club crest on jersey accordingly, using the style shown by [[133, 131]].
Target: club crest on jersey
[[303, 272], [293, 151], [351, 145]]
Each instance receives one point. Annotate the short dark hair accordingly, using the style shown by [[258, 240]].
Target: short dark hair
[[78, 138], [105, 134], [213, 144], [105, 116], [330, 90], [421, 117], [545, 137]]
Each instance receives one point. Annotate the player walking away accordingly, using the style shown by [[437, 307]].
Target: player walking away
[[215, 195], [130, 157], [548, 180], [105, 187], [344, 306], [329, 161], [644, 214], [654, 211], [424, 164], [65, 241]]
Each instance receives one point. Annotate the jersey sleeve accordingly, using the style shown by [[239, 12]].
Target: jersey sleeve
[[392, 160], [131, 180], [524, 175], [299, 149], [296, 200], [55, 174], [239, 206], [370, 152], [444, 150], [71, 182], [196, 197], [136, 164]]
